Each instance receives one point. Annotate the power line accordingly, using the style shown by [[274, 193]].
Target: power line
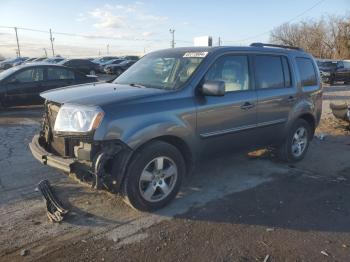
[[267, 32]]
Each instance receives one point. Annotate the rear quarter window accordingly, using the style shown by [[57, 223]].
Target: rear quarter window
[[307, 71]]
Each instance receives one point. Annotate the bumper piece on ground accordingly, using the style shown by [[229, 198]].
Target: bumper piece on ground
[[55, 210]]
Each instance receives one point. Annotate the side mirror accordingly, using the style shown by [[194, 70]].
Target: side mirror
[[213, 88]]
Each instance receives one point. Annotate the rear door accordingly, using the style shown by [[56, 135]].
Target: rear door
[[58, 77], [228, 122], [276, 95], [24, 86]]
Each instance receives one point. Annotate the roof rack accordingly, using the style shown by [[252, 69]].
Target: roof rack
[[273, 45]]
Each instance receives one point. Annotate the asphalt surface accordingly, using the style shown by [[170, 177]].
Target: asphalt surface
[[234, 208]]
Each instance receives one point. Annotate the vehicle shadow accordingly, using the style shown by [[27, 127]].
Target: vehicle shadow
[[290, 202], [303, 198]]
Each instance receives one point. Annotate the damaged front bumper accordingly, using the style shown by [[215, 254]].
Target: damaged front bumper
[[105, 164], [46, 158]]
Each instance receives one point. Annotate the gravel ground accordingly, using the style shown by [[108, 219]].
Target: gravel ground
[[236, 208]]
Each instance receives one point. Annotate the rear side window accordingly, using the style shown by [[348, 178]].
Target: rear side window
[[306, 71], [268, 72], [59, 74]]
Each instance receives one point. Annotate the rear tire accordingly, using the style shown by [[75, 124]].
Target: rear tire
[[296, 143], [154, 176]]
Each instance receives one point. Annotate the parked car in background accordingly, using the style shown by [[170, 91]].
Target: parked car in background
[[110, 62], [8, 63], [333, 71], [53, 60], [131, 57], [143, 133], [22, 85], [118, 69], [82, 65], [104, 59]]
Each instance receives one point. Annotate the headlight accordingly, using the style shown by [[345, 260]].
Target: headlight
[[78, 119]]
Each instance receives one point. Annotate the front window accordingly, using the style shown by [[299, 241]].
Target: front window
[[29, 75], [160, 70]]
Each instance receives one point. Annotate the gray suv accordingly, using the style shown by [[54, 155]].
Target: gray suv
[[143, 133]]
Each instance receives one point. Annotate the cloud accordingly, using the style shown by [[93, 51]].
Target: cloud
[[81, 18], [132, 16], [106, 19], [147, 34]]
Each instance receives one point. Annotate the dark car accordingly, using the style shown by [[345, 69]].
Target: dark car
[[82, 65], [334, 71], [110, 62], [39, 59], [53, 60], [118, 69], [22, 85], [10, 62], [143, 133], [104, 59], [131, 57]]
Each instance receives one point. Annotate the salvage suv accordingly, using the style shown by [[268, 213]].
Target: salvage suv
[[141, 134]]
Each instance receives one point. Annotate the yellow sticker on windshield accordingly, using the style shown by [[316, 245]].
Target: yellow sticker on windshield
[[195, 54]]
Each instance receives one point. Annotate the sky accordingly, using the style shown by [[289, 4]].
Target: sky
[[96, 27]]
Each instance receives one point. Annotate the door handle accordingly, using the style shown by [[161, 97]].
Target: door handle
[[291, 99], [247, 106]]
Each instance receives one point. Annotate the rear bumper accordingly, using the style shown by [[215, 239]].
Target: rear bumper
[[46, 158]]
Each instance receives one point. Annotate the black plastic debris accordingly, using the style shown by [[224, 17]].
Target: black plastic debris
[[55, 210]]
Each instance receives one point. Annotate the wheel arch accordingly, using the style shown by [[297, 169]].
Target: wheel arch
[[309, 118], [177, 142]]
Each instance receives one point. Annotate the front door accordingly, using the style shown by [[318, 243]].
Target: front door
[[228, 122], [23, 87]]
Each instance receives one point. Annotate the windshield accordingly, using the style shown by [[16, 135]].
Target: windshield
[[164, 71], [7, 72]]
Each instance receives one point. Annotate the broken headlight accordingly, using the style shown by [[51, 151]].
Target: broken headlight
[[78, 119]]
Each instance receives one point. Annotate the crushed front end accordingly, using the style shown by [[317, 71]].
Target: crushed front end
[[99, 163]]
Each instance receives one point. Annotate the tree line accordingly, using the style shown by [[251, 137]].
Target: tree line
[[328, 37]]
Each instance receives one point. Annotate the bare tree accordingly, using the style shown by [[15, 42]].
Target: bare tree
[[326, 38]]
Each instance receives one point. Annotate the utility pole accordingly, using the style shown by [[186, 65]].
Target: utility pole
[[172, 32], [107, 49], [52, 39], [18, 49], [45, 52]]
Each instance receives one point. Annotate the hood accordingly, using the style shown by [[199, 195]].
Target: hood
[[98, 94]]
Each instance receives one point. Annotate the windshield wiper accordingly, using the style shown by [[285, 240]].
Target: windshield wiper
[[137, 85]]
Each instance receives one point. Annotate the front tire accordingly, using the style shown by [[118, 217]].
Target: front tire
[[296, 144], [154, 176]]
